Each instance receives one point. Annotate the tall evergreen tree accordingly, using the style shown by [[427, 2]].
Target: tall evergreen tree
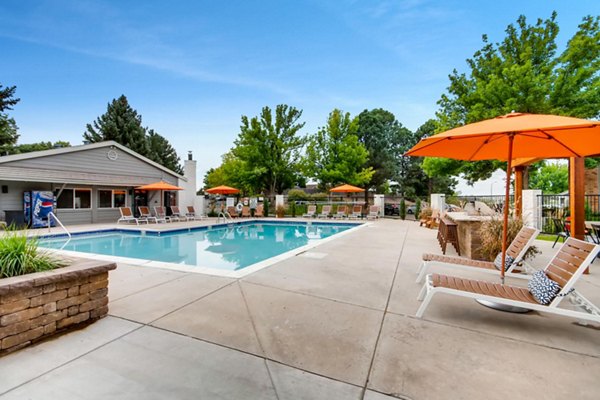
[[8, 126], [123, 124], [162, 152]]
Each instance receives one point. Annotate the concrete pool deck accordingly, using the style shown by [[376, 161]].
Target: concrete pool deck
[[337, 322]]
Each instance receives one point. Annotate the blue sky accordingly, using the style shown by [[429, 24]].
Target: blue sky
[[192, 68]]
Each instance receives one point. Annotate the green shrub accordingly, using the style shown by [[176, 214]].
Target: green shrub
[[490, 233], [19, 255], [280, 211], [319, 196], [297, 195], [266, 207], [402, 210]]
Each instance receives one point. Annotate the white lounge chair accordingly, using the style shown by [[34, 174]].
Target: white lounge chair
[[325, 211], [517, 249], [191, 213], [145, 214], [356, 212], [341, 212], [127, 216], [373, 212], [175, 213], [565, 268], [311, 211], [161, 214]]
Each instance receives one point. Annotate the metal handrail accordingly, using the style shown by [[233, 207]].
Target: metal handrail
[[51, 214], [225, 215]]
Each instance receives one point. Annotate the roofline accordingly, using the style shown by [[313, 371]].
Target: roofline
[[80, 147]]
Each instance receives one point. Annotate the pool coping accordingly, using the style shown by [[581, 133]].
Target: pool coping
[[197, 268]]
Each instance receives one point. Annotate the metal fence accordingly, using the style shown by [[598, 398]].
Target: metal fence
[[557, 206], [495, 202]]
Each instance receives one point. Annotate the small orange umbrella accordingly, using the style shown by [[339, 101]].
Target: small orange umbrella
[[162, 185], [222, 190], [513, 136], [346, 189]]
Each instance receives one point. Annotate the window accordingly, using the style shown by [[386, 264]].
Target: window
[[75, 198], [111, 198], [65, 200], [83, 198], [104, 198]]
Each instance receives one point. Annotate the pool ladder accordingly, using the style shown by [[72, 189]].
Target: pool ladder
[[226, 217], [52, 215]]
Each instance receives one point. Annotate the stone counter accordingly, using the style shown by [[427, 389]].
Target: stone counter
[[468, 233]]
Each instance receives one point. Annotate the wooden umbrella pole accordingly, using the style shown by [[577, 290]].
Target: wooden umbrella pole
[[511, 138]]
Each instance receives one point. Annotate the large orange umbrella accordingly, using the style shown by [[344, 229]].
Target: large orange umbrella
[[512, 136], [346, 189], [222, 190], [161, 185]]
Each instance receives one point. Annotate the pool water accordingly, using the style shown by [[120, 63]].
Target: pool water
[[225, 248]]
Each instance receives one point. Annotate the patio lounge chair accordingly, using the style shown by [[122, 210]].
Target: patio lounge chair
[[145, 214], [311, 211], [341, 212], [561, 231], [161, 215], [246, 212], [232, 212], [356, 212], [175, 213], [373, 212], [325, 211], [565, 268], [191, 213], [259, 212], [517, 249], [127, 216]]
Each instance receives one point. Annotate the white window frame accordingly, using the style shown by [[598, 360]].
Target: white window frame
[[91, 198], [112, 198]]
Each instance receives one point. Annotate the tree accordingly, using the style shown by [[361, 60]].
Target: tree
[[269, 146], [335, 155], [551, 178], [522, 73], [377, 130], [232, 172], [123, 124], [162, 152], [8, 126], [29, 147]]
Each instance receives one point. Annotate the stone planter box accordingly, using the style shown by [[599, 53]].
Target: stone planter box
[[35, 306]]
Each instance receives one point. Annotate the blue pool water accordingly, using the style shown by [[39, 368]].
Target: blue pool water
[[225, 248]]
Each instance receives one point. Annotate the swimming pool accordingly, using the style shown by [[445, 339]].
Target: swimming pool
[[221, 250]]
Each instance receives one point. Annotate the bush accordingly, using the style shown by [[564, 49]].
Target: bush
[[402, 210], [319, 196], [266, 207], [490, 233], [280, 211], [426, 212], [297, 195], [19, 255]]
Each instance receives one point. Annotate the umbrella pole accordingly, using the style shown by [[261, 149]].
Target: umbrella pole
[[511, 138]]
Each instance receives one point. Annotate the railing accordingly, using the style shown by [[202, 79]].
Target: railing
[[225, 215], [52, 215], [557, 206]]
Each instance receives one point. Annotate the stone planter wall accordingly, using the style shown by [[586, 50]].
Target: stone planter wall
[[35, 306]]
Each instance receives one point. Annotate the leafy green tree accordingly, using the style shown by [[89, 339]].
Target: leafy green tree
[[232, 172], [29, 147], [522, 73], [335, 155], [162, 152], [8, 126], [551, 178], [377, 130], [123, 124], [270, 146]]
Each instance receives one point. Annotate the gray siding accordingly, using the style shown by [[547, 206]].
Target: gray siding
[[95, 161]]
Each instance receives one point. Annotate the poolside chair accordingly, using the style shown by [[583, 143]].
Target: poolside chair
[[325, 211], [373, 212], [232, 212], [517, 249], [145, 214], [191, 213], [246, 212], [341, 212], [356, 212], [127, 216], [561, 231], [161, 215], [260, 211], [565, 269], [175, 213], [311, 211]]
